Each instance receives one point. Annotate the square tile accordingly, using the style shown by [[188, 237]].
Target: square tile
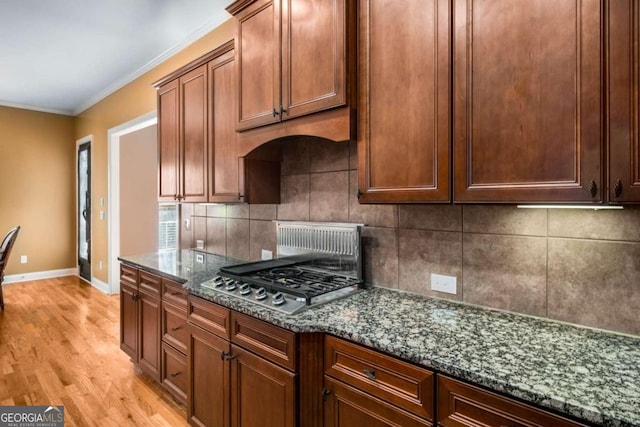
[[328, 156], [380, 256], [505, 272], [199, 209], [216, 236], [263, 236], [294, 198], [264, 212], [295, 156], [353, 155], [431, 217], [602, 225], [240, 210], [504, 219], [217, 210], [238, 238], [422, 253], [374, 215], [329, 196], [595, 283]]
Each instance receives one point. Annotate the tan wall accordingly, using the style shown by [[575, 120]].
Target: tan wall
[[138, 199], [132, 101], [37, 188]]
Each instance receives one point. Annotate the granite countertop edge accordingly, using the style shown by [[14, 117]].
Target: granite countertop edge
[[333, 318]]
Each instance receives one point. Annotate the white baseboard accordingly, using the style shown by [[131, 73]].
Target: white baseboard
[[50, 274], [101, 286]]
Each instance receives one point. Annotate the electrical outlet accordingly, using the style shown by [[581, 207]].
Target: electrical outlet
[[442, 283], [102, 215], [267, 254], [200, 244], [23, 259], [200, 258]]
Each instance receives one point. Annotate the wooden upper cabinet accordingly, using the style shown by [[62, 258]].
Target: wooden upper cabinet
[[168, 141], [224, 179], [527, 101], [193, 103], [182, 138], [404, 101], [291, 58], [623, 113]]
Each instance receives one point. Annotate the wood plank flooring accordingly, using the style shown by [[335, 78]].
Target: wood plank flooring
[[60, 345]]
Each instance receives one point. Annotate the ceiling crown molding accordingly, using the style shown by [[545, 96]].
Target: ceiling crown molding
[[36, 108]]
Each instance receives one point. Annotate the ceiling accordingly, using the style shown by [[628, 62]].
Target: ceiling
[[63, 56]]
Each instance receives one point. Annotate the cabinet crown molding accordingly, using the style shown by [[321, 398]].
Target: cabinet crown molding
[[238, 5]]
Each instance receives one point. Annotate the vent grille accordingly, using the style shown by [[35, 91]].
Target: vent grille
[[336, 239]]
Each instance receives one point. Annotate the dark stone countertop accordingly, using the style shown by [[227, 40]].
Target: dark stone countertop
[[589, 374]]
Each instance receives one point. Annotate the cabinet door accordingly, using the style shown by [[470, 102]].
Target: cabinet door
[[168, 141], [149, 335], [347, 406], [527, 101], [129, 320], [263, 394], [404, 101], [313, 56], [193, 97], [224, 179], [624, 103], [208, 379], [258, 50]]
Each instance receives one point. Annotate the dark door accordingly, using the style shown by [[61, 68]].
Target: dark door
[[84, 211]]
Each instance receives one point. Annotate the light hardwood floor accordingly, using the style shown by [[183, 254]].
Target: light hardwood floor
[[59, 345]]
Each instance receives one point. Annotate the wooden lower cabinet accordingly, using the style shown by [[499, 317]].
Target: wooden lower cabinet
[[262, 393], [149, 335], [174, 372], [461, 404], [346, 406], [129, 320], [208, 379]]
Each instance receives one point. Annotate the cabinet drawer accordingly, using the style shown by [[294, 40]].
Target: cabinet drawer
[[174, 326], [174, 293], [460, 404], [149, 283], [209, 316], [129, 274], [271, 342], [174, 373], [390, 379]]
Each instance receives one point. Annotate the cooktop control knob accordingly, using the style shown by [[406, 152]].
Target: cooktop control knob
[[278, 299], [261, 294], [231, 286], [218, 281], [245, 289]]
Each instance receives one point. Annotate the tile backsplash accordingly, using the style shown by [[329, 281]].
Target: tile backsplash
[[571, 265]]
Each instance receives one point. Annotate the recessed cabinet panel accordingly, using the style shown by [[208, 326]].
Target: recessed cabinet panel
[[194, 142], [624, 103], [168, 141], [313, 55], [404, 99], [527, 100], [258, 48]]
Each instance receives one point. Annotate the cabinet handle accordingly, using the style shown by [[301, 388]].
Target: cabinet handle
[[617, 189], [177, 328], [175, 374], [358, 193], [325, 394], [371, 374], [226, 355], [275, 112], [282, 110], [593, 188], [175, 293]]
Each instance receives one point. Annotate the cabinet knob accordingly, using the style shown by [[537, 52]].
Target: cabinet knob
[[593, 188], [617, 189], [226, 355], [371, 374], [325, 394], [282, 110], [275, 112]]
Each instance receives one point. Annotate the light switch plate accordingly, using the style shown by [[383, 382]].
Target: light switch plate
[[442, 283]]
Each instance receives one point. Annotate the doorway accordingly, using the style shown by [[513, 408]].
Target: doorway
[[84, 211]]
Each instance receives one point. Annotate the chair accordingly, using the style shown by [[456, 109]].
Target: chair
[[5, 251]]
